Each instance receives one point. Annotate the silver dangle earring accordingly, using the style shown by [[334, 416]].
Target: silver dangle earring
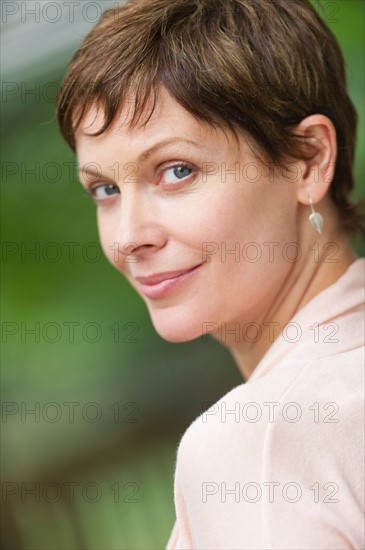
[[315, 218]]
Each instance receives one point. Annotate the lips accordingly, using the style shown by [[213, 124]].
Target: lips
[[161, 284], [159, 277]]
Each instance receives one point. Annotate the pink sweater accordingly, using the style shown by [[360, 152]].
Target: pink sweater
[[278, 462]]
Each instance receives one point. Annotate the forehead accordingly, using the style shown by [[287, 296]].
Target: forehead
[[169, 118]]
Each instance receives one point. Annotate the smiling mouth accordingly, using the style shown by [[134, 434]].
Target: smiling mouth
[[162, 284]]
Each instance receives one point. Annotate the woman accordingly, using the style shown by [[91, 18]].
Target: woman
[[217, 139]]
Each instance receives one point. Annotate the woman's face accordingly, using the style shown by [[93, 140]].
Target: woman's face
[[196, 201]]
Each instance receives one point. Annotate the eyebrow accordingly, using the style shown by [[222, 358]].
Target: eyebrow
[[144, 156], [149, 152]]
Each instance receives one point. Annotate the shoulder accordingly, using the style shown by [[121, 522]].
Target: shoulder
[[280, 460], [288, 410]]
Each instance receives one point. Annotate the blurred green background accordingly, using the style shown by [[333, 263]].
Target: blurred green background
[[94, 402]]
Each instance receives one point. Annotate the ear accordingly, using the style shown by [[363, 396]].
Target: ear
[[318, 172]]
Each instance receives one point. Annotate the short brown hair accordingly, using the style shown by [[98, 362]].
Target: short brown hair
[[259, 66]]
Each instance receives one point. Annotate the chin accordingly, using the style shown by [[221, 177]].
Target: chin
[[176, 334], [175, 329]]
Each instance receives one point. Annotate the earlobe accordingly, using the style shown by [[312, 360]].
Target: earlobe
[[318, 171]]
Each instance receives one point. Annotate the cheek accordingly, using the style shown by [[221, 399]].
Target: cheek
[[108, 237], [244, 213], [234, 286], [247, 236]]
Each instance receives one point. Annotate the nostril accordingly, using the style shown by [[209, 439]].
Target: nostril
[[137, 248]]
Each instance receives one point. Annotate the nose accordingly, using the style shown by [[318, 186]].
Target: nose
[[139, 232]]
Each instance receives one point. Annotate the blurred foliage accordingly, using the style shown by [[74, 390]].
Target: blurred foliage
[[166, 385]]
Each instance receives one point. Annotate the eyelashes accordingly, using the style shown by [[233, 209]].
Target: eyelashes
[[103, 191], [182, 171], [179, 168]]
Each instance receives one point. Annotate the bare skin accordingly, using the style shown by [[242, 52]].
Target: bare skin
[[147, 226]]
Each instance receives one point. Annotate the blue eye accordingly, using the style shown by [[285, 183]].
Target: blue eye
[[181, 171], [178, 171], [104, 191]]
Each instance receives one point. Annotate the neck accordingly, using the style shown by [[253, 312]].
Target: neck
[[327, 259]]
